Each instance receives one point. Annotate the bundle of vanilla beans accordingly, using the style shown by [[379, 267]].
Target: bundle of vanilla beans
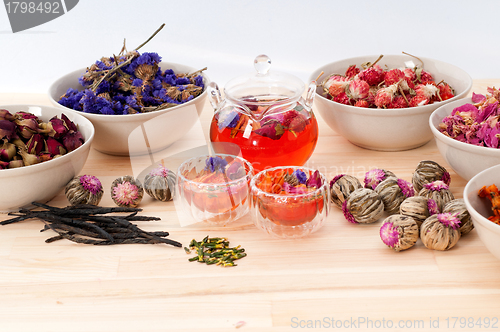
[[90, 224]]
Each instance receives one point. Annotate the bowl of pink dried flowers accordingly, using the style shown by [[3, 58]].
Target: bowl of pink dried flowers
[[384, 102], [41, 149], [137, 103], [467, 133]]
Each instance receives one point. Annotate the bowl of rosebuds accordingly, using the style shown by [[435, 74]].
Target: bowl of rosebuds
[[467, 133], [41, 149], [137, 103], [384, 102]]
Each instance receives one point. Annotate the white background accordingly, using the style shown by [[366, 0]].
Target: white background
[[226, 35]]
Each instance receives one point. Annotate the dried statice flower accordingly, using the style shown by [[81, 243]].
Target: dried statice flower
[[439, 192], [399, 232], [341, 187], [160, 184], [440, 231], [126, 191], [428, 171], [393, 192], [363, 206], [457, 207], [84, 189], [374, 176], [417, 207]]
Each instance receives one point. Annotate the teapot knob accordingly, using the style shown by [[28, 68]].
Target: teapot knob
[[214, 95], [262, 64]]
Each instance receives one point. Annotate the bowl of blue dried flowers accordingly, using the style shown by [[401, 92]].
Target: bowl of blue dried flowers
[[136, 103]]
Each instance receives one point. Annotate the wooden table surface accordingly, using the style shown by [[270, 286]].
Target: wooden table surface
[[341, 277]]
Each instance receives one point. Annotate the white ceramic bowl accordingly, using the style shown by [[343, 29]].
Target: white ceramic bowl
[[387, 129], [136, 133], [465, 159], [41, 182], [480, 208]]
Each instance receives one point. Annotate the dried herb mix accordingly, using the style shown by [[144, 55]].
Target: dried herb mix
[[215, 251]]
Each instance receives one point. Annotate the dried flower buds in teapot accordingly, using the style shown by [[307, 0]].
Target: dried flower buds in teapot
[[372, 86], [26, 140], [399, 232]]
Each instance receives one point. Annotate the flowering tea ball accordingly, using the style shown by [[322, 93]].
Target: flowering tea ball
[[126, 191], [341, 187], [393, 192], [399, 232], [374, 176], [419, 208], [428, 171], [440, 231], [160, 184], [439, 192], [84, 189], [458, 209], [363, 206]]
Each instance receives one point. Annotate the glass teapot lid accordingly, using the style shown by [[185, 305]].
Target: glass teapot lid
[[264, 86]]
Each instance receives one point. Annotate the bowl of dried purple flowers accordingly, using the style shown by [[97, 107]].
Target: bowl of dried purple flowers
[[137, 103], [41, 149], [467, 133]]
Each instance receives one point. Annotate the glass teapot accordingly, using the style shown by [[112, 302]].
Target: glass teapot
[[265, 115]]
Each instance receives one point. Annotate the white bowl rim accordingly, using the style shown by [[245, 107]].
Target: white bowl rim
[[483, 150], [391, 111], [483, 220], [132, 117], [19, 171]]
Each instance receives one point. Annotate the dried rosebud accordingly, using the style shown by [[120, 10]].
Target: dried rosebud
[[25, 115], [7, 151], [84, 189], [5, 115], [393, 192], [28, 158], [314, 180], [428, 171], [54, 147], [341, 187], [59, 127], [16, 163], [374, 176], [363, 206], [69, 124], [35, 144], [27, 127], [439, 192], [440, 231], [4, 164], [457, 208], [399, 232], [126, 191], [7, 129], [72, 140]]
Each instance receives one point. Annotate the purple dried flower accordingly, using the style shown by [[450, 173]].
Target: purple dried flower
[[91, 183], [335, 179], [449, 220], [436, 186], [314, 180], [373, 177], [228, 118], [406, 188], [389, 234], [300, 175], [432, 207], [349, 217], [214, 164], [137, 82]]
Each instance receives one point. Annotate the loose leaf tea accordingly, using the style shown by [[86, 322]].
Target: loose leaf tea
[[215, 251]]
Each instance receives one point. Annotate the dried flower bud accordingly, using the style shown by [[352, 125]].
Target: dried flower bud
[[35, 144], [457, 207], [393, 192], [7, 151], [54, 146], [84, 189], [160, 184], [27, 127], [73, 140], [399, 232], [439, 192], [440, 231], [417, 207], [429, 171], [6, 115], [126, 191], [374, 176], [16, 163], [7, 129], [363, 206], [341, 187]]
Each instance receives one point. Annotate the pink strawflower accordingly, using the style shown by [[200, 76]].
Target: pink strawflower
[[449, 220], [125, 193], [358, 89], [432, 207], [159, 171], [349, 217], [91, 183], [436, 186], [336, 85], [398, 102], [384, 96], [427, 90], [394, 76], [352, 71], [389, 234], [362, 103], [373, 177], [342, 98], [410, 74], [406, 188], [373, 75], [419, 100]]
